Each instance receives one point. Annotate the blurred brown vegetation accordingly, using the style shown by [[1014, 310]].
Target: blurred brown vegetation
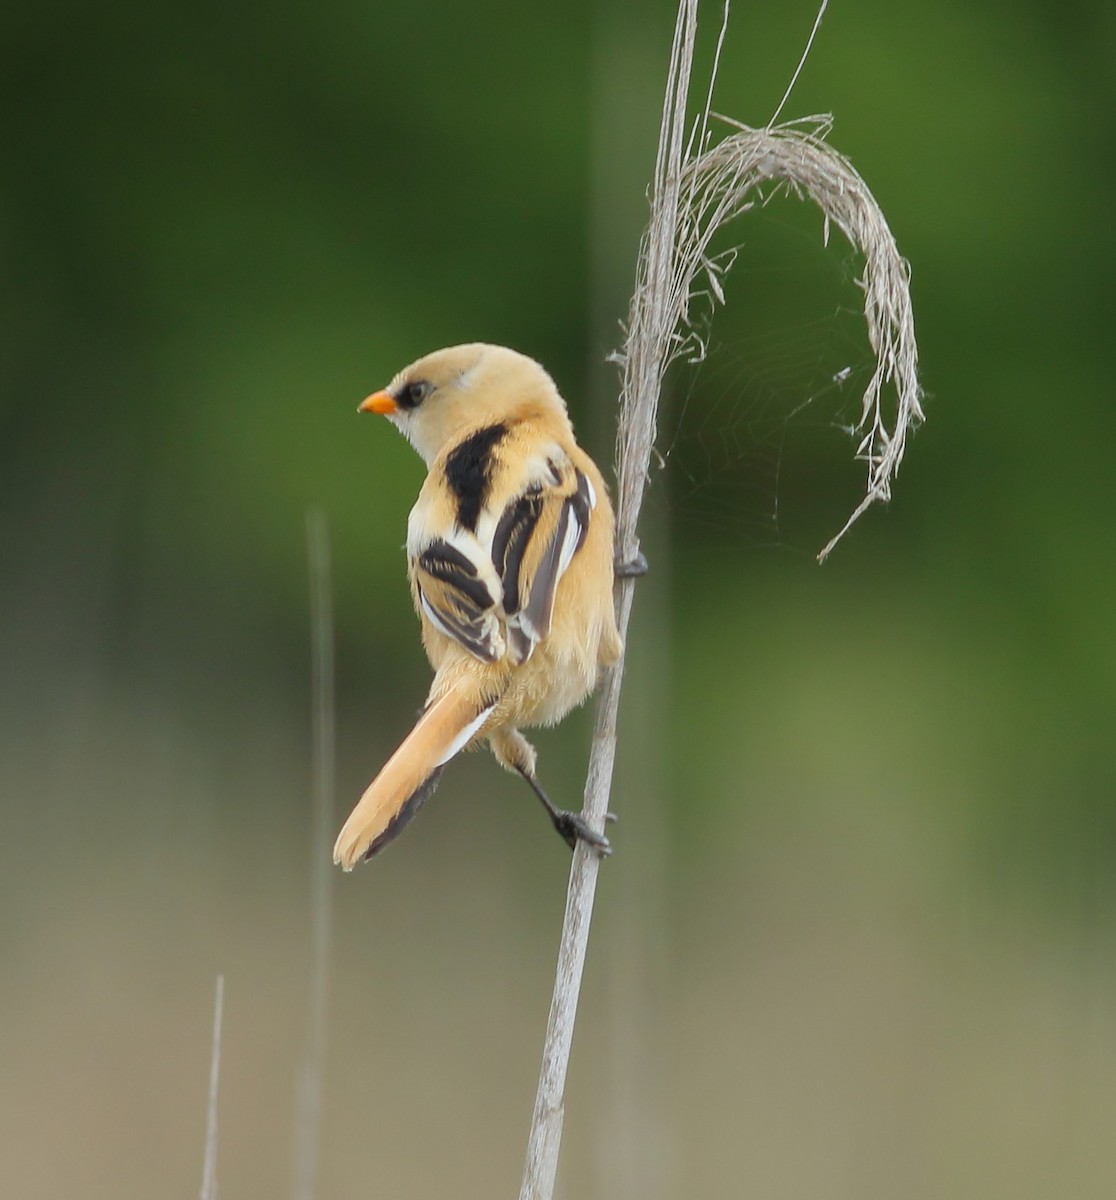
[[857, 939]]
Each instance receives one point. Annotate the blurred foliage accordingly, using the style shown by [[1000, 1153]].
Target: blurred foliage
[[221, 226]]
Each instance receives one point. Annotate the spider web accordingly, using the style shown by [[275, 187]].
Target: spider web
[[753, 440]]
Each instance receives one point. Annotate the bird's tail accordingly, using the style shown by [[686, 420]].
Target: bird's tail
[[410, 775]]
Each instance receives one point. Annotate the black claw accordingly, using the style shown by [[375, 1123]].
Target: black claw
[[572, 826], [575, 828], [633, 568]]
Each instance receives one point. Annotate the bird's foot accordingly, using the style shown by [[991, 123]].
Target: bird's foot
[[574, 828], [633, 568]]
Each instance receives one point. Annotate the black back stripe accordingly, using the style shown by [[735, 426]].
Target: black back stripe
[[469, 472]]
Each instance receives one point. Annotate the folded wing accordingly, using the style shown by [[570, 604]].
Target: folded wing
[[493, 591], [457, 600]]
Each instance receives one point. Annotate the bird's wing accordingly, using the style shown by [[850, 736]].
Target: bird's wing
[[493, 590], [458, 595], [533, 543]]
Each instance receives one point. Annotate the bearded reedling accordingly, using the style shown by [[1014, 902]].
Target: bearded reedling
[[510, 559]]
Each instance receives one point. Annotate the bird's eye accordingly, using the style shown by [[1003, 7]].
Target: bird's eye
[[415, 393]]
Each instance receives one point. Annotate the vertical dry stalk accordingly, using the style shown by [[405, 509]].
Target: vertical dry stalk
[[643, 368], [698, 186], [309, 1098], [209, 1168]]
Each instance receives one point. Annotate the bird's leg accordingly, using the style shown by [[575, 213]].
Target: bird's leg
[[572, 826], [633, 568]]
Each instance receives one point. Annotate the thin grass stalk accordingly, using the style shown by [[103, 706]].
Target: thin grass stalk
[[635, 439], [308, 1103], [209, 1166]]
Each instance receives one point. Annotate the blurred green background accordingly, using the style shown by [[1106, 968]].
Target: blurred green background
[[858, 936]]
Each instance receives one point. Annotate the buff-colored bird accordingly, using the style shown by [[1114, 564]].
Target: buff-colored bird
[[510, 558]]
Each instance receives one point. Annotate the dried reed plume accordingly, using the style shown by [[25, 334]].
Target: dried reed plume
[[699, 185], [694, 196]]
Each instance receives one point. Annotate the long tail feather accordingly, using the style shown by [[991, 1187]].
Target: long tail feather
[[409, 776]]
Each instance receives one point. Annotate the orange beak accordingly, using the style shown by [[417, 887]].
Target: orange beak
[[379, 402]]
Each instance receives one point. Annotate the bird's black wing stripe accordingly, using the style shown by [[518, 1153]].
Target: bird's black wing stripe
[[509, 542], [541, 601], [468, 470], [573, 520], [462, 628], [447, 563]]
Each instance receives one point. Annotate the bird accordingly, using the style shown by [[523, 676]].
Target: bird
[[510, 563]]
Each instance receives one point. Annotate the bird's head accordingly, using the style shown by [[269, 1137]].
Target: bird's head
[[441, 396]]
